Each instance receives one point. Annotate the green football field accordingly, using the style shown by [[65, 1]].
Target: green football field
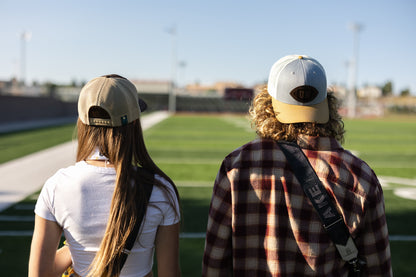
[[190, 148]]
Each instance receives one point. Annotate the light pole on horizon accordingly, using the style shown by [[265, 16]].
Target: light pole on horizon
[[24, 37], [172, 96], [181, 78], [352, 87]]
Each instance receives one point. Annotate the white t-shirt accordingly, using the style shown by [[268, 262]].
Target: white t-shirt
[[79, 197]]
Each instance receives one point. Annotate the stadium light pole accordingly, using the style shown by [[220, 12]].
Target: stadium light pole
[[352, 88], [24, 37], [182, 65], [172, 96]]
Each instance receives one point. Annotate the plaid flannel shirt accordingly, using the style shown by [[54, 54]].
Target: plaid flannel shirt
[[261, 223]]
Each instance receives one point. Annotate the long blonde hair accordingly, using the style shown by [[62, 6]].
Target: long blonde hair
[[267, 125], [124, 147]]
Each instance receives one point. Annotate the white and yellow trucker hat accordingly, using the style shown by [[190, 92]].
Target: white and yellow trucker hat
[[297, 84], [116, 95]]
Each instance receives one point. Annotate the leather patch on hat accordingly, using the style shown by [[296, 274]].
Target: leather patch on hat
[[304, 94]]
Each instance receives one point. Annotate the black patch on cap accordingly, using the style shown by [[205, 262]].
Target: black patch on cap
[[124, 120], [304, 94]]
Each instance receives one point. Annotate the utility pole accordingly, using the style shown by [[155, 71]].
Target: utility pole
[[352, 87]]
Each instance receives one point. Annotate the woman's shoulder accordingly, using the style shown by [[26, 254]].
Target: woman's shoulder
[[79, 172], [165, 195], [163, 185], [162, 180], [63, 173]]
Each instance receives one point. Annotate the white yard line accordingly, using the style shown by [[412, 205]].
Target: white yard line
[[404, 192], [243, 123], [385, 180]]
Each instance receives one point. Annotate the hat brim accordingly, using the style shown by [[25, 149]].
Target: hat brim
[[142, 105], [286, 113]]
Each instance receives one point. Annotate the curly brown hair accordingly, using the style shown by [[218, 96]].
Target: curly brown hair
[[264, 120]]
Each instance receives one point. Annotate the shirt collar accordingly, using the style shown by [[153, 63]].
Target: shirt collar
[[318, 143]]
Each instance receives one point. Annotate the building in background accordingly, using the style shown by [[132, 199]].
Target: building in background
[[369, 92], [152, 86]]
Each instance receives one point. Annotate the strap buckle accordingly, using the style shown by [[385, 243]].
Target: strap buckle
[[349, 251]]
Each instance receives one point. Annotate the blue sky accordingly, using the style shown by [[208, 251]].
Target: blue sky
[[215, 40]]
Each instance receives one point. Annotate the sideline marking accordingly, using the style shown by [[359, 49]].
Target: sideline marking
[[402, 238], [201, 235], [192, 235], [195, 184], [16, 218], [26, 233], [242, 123]]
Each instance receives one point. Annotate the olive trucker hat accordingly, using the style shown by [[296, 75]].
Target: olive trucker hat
[[297, 84], [116, 95]]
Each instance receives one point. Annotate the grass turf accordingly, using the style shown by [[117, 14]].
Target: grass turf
[[387, 145], [18, 144]]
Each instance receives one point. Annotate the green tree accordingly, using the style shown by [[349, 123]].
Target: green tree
[[405, 92], [387, 89], [51, 89], [73, 83]]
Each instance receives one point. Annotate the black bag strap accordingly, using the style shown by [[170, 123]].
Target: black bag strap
[[147, 180], [316, 192]]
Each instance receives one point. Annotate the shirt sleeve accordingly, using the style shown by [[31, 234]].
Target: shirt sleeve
[[217, 260], [373, 244], [45, 203], [171, 210]]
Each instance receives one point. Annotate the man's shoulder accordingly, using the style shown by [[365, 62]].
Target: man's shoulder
[[256, 153], [257, 144]]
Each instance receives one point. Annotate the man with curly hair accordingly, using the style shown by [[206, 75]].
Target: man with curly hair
[[261, 223]]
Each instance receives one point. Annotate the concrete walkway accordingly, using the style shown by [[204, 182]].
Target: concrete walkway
[[21, 177], [34, 124]]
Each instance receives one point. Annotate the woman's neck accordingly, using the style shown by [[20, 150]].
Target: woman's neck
[[100, 163], [98, 159]]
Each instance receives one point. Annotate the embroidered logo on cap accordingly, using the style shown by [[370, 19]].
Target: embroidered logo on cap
[[304, 94]]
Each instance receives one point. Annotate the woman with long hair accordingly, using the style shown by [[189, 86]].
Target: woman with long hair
[[96, 202]]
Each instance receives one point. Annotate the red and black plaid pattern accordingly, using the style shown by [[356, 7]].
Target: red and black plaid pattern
[[261, 223]]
